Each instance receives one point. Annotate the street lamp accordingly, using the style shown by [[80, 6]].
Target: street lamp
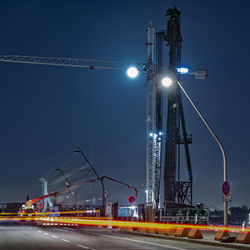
[[78, 150], [132, 72], [68, 184], [168, 83]]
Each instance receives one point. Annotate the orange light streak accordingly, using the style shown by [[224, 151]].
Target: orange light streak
[[116, 223]]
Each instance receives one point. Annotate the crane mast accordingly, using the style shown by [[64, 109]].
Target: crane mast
[[151, 131], [153, 123]]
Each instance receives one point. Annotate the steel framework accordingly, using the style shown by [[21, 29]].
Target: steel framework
[[67, 62], [175, 191]]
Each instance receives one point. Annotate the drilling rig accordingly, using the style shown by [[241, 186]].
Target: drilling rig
[[177, 193]]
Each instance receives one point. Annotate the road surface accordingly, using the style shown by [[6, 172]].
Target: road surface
[[17, 237]]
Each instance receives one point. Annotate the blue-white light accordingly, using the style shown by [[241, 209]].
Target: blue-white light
[[132, 72], [166, 81], [151, 134], [160, 133], [182, 70]]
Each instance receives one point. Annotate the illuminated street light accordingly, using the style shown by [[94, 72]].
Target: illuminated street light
[[216, 139], [182, 70], [166, 81], [68, 184], [132, 72]]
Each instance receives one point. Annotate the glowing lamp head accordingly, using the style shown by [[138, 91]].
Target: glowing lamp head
[[151, 134], [166, 81], [132, 72], [182, 70]]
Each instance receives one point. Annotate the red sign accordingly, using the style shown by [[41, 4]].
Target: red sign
[[226, 188], [39, 205], [131, 199]]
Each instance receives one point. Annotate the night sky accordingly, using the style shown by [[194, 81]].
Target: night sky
[[47, 111]]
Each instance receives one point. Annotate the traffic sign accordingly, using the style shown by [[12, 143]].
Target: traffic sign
[[39, 205], [226, 188], [131, 199]]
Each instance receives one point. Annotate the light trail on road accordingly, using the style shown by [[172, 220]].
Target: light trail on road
[[108, 222]]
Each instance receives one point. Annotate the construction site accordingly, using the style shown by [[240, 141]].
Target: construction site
[[133, 149], [168, 198]]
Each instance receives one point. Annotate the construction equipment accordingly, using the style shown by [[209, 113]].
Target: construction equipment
[[30, 203], [176, 192], [69, 62], [152, 151]]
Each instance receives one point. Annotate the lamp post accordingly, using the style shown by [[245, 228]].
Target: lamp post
[[166, 82], [68, 184], [78, 150]]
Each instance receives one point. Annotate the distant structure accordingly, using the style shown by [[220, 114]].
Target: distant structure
[[47, 202]]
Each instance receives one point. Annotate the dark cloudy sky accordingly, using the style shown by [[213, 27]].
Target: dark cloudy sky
[[46, 111]]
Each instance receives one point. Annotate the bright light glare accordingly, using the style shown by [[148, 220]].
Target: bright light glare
[[132, 72], [166, 82], [151, 134], [182, 70]]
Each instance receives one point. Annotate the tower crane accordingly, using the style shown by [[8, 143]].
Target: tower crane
[[152, 147], [68, 62]]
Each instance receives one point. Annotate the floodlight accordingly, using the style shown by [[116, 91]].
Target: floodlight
[[166, 81], [182, 70], [132, 72]]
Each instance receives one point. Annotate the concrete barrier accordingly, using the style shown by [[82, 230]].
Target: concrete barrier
[[129, 229], [221, 234], [243, 237], [122, 229], [195, 234], [170, 232], [141, 230], [150, 230], [181, 232]]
